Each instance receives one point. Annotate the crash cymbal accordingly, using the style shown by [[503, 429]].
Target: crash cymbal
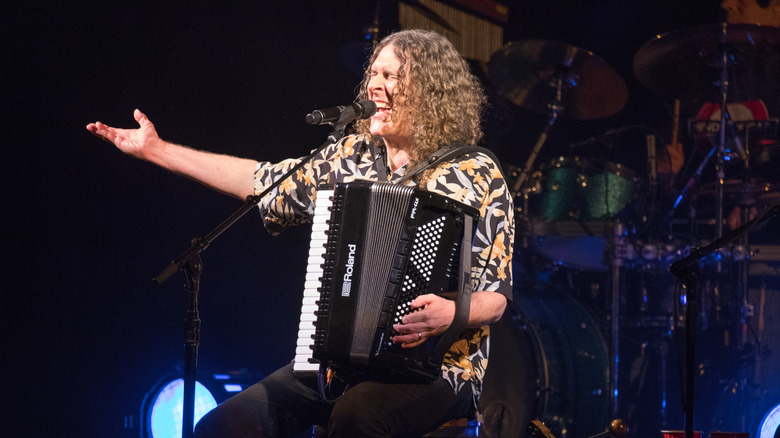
[[526, 73], [687, 64]]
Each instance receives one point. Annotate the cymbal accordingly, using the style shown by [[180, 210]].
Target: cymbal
[[527, 72], [687, 64]]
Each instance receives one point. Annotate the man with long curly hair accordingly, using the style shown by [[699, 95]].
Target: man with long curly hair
[[427, 99]]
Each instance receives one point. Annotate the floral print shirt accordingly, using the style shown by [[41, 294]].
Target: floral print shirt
[[473, 179]]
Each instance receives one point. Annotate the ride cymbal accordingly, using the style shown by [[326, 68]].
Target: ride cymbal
[[528, 73], [687, 64]]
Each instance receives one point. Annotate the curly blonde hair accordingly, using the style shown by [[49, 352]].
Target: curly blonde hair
[[442, 100]]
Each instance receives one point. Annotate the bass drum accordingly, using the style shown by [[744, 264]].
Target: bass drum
[[548, 361]]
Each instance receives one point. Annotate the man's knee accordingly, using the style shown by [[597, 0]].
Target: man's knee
[[228, 420], [345, 422], [357, 414]]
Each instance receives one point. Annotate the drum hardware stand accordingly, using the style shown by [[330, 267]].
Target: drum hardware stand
[[691, 181], [555, 110], [720, 146], [683, 270], [617, 263], [725, 126], [190, 262]]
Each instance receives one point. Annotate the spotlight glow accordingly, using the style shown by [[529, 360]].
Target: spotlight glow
[[770, 423], [167, 408]]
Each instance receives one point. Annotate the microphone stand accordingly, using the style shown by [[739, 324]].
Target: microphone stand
[[683, 270], [190, 262]]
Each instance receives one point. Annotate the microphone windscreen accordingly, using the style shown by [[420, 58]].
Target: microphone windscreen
[[367, 108]]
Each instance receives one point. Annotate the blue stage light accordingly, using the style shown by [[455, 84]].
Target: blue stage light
[[770, 423], [164, 407]]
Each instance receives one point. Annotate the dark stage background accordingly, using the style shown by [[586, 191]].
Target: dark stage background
[[85, 333]]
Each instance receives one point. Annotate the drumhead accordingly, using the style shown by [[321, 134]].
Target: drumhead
[[548, 360]]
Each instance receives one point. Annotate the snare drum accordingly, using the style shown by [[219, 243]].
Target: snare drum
[[572, 202]]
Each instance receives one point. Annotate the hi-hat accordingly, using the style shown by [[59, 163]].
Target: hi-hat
[[529, 73], [687, 64]]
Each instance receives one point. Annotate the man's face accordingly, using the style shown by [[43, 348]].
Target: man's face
[[745, 12], [382, 89]]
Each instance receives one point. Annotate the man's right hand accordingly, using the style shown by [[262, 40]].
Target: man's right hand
[[136, 142], [224, 173]]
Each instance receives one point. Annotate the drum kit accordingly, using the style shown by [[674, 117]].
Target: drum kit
[[620, 230]]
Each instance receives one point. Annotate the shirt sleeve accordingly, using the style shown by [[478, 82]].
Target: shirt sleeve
[[292, 202]]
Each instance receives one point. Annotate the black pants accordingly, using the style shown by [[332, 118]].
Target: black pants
[[282, 406]]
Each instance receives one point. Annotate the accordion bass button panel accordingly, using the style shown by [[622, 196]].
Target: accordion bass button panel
[[423, 252]]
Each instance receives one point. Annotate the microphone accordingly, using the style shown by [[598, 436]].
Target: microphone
[[341, 115]]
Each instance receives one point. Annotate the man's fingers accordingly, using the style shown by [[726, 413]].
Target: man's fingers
[[417, 339], [140, 117], [97, 129], [410, 340], [105, 132]]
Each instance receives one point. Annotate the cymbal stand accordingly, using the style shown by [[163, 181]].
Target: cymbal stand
[[741, 286], [555, 109], [719, 149], [619, 254], [719, 164]]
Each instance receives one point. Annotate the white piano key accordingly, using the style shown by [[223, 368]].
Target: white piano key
[[305, 337], [304, 361], [319, 228], [313, 276], [314, 262], [303, 350], [322, 212], [309, 308], [318, 251], [311, 285], [308, 317]]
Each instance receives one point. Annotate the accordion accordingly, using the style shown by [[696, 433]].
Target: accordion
[[375, 247]]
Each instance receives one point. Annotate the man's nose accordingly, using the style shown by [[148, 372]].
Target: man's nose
[[375, 82]]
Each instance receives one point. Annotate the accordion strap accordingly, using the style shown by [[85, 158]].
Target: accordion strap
[[442, 155]]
